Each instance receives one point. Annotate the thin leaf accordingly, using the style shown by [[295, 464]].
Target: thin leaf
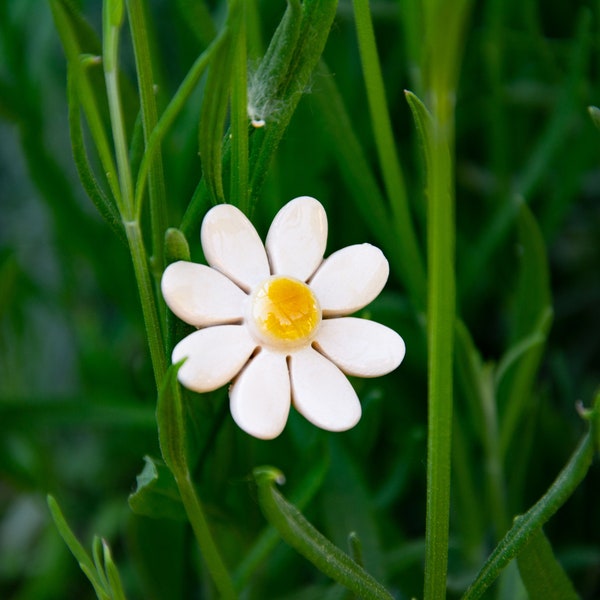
[[526, 525], [171, 427], [215, 108], [238, 191], [149, 117], [542, 574], [97, 554], [317, 18], [305, 539], [266, 542], [82, 557], [412, 260], [114, 579], [531, 324], [357, 172], [106, 207], [156, 494]]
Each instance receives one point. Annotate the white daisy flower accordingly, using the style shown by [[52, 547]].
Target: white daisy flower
[[273, 319]]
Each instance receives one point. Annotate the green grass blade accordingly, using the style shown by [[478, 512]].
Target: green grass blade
[[156, 181], [106, 207], [542, 574], [412, 259], [305, 539], [526, 525]]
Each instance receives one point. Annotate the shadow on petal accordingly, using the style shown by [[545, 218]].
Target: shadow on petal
[[360, 347], [260, 396], [215, 355], [349, 279], [322, 393], [232, 245]]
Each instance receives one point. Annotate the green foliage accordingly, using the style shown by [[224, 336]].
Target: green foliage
[[541, 572], [300, 534], [123, 121]]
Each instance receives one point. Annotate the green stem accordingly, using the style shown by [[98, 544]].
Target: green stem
[[156, 182], [170, 114], [410, 258], [149, 308], [87, 96], [440, 326], [210, 553], [239, 120], [113, 17]]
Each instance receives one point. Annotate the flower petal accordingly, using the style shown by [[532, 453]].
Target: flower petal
[[297, 238], [200, 295], [349, 279], [215, 355], [260, 396], [321, 392], [232, 246], [360, 347]]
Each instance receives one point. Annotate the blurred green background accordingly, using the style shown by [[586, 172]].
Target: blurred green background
[[77, 396]]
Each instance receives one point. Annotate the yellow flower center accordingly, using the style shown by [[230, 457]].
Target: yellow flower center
[[284, 311]]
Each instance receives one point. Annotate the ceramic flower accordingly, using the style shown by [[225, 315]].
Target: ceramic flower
[[273, 319]]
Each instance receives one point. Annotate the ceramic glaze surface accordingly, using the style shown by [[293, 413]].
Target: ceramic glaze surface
[[284, 311]]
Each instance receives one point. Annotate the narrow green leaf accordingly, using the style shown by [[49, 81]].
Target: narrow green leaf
[[185, 90], [305, 539], [358, 175], [266, 542], [149, 117], [293, 78], [105, 205], [101, 593], [78, 38], [97, 554], [171, 427], [531, 324], [526, 525], [423, 123], [533, 285], [391, 168], [82, 557], [275, 64], [516, 352], [114, 579], [157, 494], [215, 106], [238, 190], [67, 535], [542, 574]]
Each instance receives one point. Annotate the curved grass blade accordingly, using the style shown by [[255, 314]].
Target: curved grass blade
[[306, 540]]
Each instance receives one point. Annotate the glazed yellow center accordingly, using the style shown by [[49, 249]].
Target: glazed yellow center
[[285, 310]]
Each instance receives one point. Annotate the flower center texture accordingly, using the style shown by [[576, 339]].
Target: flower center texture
[[284, 312]]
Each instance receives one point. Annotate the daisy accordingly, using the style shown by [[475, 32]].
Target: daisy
[[273, 319]]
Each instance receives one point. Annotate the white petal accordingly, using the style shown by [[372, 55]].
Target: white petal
[[215, 355], [200, 295], [321, 392], [260, 397], [231, 244], [360, 347], [349, 279], [297, 238]]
